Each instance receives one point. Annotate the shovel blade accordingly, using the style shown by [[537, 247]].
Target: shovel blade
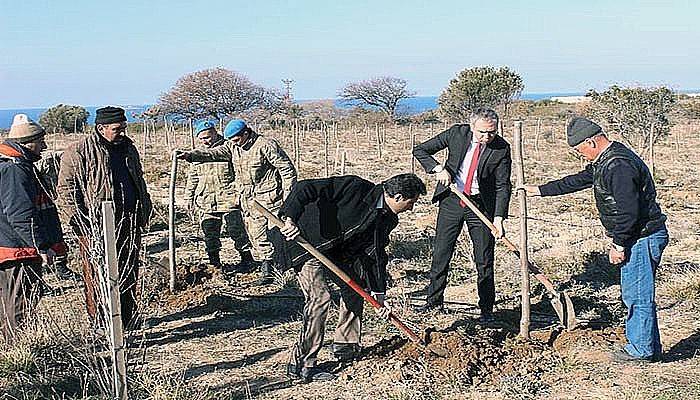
[[564, 308]]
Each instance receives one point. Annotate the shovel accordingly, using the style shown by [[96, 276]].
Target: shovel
[[422, 341], [561, 302]]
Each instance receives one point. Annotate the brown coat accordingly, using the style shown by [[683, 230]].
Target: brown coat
[[85, 181]]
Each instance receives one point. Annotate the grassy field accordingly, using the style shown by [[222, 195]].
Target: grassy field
[[223, 337]]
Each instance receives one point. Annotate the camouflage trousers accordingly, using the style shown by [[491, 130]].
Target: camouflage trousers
[[313, 281], [257, 227], [233, 223], [19, 293]]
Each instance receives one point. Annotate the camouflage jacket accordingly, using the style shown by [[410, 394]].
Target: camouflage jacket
[[47, 169], [264, 172], [210, 186]]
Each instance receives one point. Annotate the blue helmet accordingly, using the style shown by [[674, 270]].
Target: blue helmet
[[234, 128], [203, 126]]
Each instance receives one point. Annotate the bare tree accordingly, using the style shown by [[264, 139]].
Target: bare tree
[[383, 92], [215, 93]]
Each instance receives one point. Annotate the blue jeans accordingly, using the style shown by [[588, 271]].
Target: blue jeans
[[637, 281]]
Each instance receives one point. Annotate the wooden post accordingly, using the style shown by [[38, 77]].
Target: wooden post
[[192, 134], [524, 261], [115, 322], [342, 162], [325, 151], [651, 149], [378, 140], [413, 144], [537, 139], [171, 222]]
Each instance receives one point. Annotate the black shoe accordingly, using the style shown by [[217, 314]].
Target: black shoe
[[293, 371], [622, 356], [315, 374], [487, 317], [268, 276], [247, 263], [431, 307], [214, 259], [345, 352]]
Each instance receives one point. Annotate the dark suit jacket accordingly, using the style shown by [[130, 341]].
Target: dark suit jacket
[[493, 171], [339, 216]]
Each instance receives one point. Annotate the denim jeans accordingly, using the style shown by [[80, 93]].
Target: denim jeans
[[637, 282]]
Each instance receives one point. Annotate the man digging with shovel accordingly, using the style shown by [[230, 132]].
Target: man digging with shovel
[[348, 219]]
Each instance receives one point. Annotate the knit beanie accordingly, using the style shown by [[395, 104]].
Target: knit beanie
[[24, 130], [109, 115], [580, 129]]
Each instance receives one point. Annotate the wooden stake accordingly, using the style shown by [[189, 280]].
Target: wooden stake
[[342, 162], [378, 140], [651, 149], [413, 144], [191, 134], [524, 261], [171, 222], [325, 151], [115, 322]]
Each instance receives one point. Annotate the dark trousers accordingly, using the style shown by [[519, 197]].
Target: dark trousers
[[451, 219], [19, 293], [128, 248]]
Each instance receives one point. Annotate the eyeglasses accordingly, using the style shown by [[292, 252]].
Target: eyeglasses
[[490, 133]]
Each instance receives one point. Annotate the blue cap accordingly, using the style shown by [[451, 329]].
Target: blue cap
[[203, 126], [234, 128]]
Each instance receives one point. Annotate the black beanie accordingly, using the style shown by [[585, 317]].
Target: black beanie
[[580, 129], [109, 115]]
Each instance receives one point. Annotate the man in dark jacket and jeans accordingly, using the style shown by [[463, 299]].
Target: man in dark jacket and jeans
[[30, 231], [626, 200], [348, 219]]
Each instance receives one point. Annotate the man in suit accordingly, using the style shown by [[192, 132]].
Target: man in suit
[[478, 163]]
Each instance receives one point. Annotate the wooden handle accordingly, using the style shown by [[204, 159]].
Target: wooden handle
[[511, 246], [337, 271]]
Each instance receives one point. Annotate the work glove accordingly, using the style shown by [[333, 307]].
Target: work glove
[[500, 230]]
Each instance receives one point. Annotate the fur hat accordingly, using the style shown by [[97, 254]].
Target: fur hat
[[24, 130]]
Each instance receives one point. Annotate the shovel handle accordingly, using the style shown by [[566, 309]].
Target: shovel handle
[[272, 218], [510, 245]]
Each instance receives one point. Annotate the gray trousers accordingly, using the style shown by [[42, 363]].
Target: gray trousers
[[313, 280], [19, 293]]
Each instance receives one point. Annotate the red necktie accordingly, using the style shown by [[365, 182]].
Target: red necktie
[[472, 169]]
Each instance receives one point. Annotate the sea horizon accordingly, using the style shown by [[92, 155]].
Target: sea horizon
[[411, 106]]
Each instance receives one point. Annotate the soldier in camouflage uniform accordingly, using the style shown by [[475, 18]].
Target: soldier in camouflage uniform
[[47, 172], [264, 173], [211, 190]]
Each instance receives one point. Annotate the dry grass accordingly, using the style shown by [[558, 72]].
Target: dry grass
[[215, 340]]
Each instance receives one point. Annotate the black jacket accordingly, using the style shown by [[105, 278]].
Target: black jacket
[[624, 193], [493, 170], [339, 216], [28, 217]]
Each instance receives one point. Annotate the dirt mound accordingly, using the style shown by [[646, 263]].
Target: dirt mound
[[567, 342], [467, 357]]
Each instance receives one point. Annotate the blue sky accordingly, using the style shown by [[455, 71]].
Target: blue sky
[[129, 52]]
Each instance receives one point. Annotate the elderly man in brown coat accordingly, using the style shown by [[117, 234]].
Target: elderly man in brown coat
[[105, 166]]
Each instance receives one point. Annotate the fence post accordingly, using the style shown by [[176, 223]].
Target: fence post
[[524, 261], [115, 323], [171, 222]]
